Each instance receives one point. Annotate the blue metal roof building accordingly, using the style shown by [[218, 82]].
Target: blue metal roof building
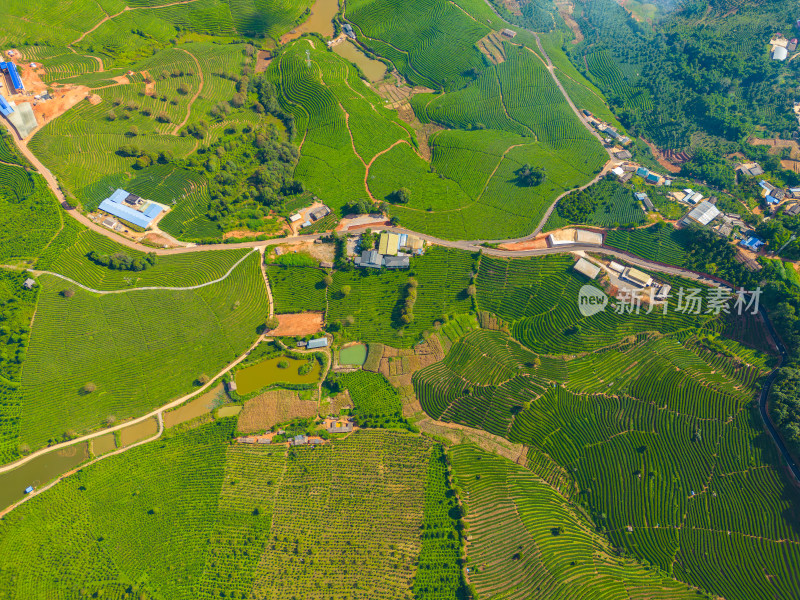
[[152, 211], [11, 69], [318, 343], [642, 172], [5, 108], [752, 243], [113, 205]]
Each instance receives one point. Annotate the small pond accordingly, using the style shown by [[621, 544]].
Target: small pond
[[201, 405], [373, 69], [354, 354], [267, 372], [319, 21], [39, 472], [138, 432]]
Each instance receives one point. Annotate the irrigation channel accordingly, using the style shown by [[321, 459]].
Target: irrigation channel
[[467, 245]]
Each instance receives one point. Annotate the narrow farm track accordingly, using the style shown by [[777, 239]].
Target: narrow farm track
[[180, 125]]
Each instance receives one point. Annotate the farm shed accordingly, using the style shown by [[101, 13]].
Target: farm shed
[[615, 266], [11, 69], [113, 205], [584, 267], [397, 262], [302, 344], [793, 210], [663, 291], [642, 172], [348, 30], [231, 386], [618, 171], [652, 178], [642, 197], [622, 155], [295, 218], [299, 440], [389, 244], [509, 33], [325, 264], [703, 213], [5, 108], [636, 277], [29, 283], [370, 258], [317, 343], [779, 53]]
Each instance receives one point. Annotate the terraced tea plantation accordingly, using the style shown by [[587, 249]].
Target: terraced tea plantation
[[351, 518], [527, 541], [137, 349], [653, 433]]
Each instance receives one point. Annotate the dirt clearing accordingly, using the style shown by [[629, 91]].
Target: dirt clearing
[[271, 408], [298, 324], [262, 61]]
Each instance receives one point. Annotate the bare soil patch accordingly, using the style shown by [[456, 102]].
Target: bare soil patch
[[776, 145], [492, 46], [295, 324], [159, 240], [94, 99], [534, 244], [273, 407], [322, 252], [263, 58], [661, 158], [565, 9]]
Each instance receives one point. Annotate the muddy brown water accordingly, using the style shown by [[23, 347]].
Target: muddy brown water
[[320, 21], [198, 407], [267, 372], [39, 472], [104, 444], [375, 70], [138, 432]]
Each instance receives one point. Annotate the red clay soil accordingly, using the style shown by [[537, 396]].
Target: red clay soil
[[306, 323], [534, 244]]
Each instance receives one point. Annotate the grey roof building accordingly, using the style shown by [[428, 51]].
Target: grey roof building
[[401, 261], [370, 258]]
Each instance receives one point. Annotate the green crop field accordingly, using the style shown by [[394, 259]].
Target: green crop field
[[662, 243], [29, 213], [195, 517], [74, 243], [650, 428], [614, 204], [376, 298], [139, 349], [527, 541], [468, 188]]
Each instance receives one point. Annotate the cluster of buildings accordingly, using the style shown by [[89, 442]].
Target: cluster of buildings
[[330, 424], [9, 71], [611, 133], [628, 275], [129, 208], [389, 250], [625, 171], [647, 204], [315, 214]]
